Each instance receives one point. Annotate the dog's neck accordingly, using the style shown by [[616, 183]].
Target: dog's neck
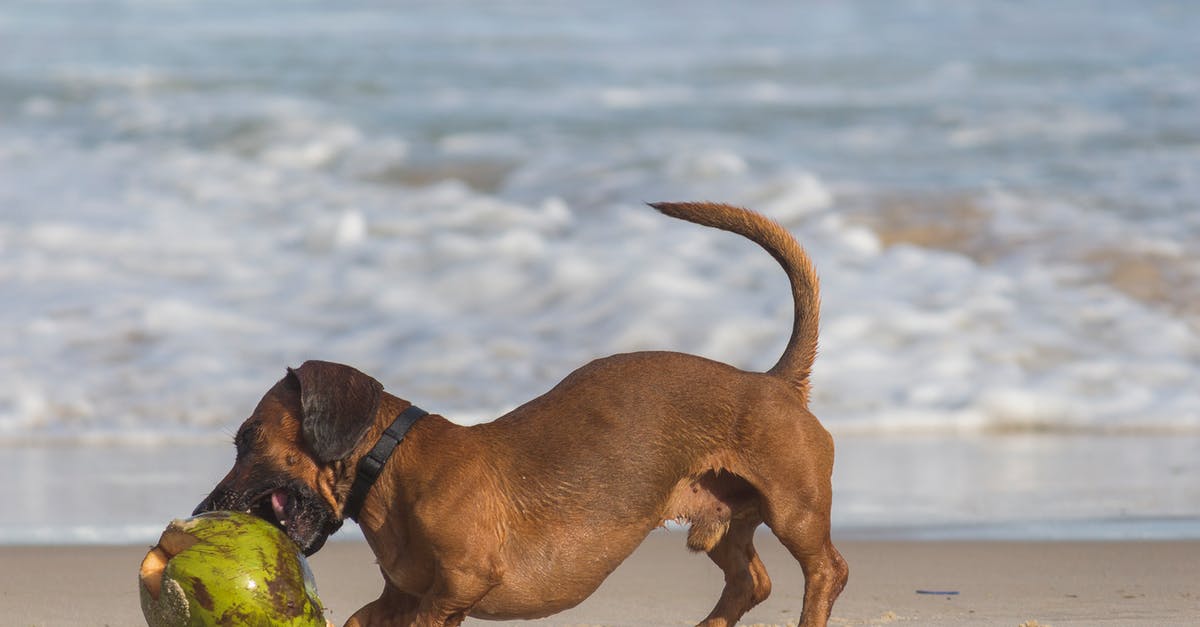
[[371, 464]]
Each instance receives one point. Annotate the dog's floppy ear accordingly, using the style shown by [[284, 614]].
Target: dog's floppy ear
[[338, 405]]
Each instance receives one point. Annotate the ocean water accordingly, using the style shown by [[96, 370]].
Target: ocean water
[[1000, 197], [911, 486]]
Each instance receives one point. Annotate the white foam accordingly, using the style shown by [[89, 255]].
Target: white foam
[[706, 164], [1063, 124], [482, 144], [623, 97], [449, 295], [176, 234]]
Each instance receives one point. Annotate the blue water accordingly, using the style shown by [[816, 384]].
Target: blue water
[[1032, 486], [1000, 198]]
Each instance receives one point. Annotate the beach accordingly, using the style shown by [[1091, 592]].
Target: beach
[[993, 583]]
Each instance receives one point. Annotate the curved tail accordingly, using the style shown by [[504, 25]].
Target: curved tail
[[796, 362]]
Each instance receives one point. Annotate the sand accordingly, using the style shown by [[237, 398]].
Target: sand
[[997, 583]]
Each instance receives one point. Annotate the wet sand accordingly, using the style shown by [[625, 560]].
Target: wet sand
[[997, 583]]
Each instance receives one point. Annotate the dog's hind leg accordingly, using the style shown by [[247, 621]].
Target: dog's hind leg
[[796, 497], [825, 571], [746, 581]]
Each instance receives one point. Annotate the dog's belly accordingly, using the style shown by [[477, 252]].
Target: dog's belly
[[560, 565], [558, 571]]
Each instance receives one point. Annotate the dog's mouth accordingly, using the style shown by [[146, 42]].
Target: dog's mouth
[[294, 508], [303, 517], [275, 506]]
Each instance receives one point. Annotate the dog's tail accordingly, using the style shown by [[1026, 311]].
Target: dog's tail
[[796, 362]]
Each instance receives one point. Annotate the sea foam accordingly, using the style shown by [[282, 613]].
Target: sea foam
[[1004, 240]]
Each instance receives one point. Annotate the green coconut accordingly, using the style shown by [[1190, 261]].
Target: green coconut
[[227, 568]]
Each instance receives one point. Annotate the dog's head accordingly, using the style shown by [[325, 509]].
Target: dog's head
[[293, 452]]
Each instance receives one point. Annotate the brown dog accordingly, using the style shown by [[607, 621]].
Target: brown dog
[[525, 516]]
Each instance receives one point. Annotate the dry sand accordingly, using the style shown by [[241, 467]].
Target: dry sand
[[998, 583]]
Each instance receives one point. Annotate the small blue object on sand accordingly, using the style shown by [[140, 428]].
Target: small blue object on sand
[[946, 593]]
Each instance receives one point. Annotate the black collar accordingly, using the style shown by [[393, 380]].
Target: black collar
[[372, 463]]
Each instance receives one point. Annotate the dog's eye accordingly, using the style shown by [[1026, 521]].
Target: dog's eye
[[244, 441]]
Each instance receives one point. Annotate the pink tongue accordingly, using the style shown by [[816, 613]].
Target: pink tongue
[[279, 500]]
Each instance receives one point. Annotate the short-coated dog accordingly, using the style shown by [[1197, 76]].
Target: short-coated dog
[[526, 515]]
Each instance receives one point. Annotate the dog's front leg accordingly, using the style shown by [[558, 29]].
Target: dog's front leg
[[393, 608], [452, 598], [447, 604]]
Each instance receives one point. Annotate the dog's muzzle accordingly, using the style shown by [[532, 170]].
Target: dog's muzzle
[[294, 508]]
